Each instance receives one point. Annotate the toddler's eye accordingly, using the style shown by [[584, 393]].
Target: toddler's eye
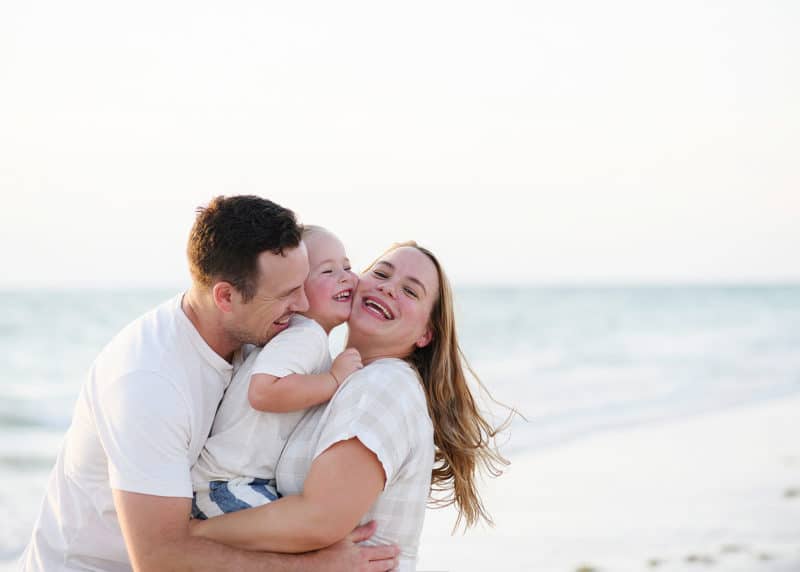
[[327, 271]]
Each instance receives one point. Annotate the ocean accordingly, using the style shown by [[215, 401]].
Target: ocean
[[572, 360]]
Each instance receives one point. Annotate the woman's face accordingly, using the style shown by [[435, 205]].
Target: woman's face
[[393, 302]]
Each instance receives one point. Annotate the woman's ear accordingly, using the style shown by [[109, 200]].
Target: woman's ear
[[425, 338]]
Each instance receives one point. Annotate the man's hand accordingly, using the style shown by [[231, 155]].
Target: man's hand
[[347, 556]]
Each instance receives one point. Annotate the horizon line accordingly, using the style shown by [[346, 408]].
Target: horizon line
[[565, 283]]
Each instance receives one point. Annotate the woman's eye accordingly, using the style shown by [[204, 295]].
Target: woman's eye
[[410, 292], [379, 273]]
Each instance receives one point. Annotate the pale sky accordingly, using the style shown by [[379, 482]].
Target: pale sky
[[524, 142]]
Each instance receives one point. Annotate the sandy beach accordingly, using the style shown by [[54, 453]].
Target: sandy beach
[[717, 492]]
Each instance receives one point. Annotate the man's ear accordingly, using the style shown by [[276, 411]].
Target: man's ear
[[425, 338], [222, 292]]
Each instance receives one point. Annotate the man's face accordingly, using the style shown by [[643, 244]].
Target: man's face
[[279, 295]]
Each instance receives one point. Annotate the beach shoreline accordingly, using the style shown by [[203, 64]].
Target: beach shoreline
[[719, 491]]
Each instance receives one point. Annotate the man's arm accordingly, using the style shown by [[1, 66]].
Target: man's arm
[[156, 531]]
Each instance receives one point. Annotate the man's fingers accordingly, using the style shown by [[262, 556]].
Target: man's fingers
[[379, 553], [363, 532], [383, 565]]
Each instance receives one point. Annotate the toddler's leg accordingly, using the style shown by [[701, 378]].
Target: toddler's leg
[[229, 496], [203, 506], [246, 492]]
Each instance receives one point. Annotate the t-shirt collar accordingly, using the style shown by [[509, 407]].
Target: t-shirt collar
[[213, 358]]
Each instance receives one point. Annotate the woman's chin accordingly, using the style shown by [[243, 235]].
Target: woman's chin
[[361, 323]]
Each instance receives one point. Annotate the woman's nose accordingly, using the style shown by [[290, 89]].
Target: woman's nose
[[387, 287]]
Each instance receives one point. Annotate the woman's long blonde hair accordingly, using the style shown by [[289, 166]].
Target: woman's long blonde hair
[[464, 438]]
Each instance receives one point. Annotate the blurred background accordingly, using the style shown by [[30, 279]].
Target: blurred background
[[614, 189]]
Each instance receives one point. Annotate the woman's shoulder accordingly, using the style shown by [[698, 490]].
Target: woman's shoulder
[[388, 381], [387, 372]]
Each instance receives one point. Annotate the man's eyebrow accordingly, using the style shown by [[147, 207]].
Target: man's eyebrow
[[410, 278]]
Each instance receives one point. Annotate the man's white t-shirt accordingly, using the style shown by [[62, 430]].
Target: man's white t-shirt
[[245, 442], [140, 422]]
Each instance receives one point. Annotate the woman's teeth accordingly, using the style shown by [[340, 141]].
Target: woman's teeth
[[376, 305]]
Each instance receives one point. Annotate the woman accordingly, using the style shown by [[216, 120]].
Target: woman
[[402, 427]]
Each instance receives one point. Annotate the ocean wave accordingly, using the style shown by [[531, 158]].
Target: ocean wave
[[28, 463]]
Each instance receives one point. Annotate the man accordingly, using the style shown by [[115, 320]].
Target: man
[[120, 494]]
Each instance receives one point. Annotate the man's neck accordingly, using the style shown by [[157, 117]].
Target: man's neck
[[204, 316]]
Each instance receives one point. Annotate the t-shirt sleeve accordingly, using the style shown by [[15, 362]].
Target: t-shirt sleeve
[[380, 413], [144, 426], [300, 349]]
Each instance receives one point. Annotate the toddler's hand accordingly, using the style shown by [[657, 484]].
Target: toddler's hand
[[346, 363]]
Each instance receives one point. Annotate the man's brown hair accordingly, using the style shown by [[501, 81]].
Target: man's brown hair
[[231, 232]]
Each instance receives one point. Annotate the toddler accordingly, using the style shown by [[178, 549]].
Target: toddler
[[273, 388]]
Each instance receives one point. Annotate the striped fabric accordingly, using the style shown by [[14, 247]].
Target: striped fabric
[[229, 496]]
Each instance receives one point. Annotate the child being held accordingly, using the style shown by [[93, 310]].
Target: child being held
[[273, 388]]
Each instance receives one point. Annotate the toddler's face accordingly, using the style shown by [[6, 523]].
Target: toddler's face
[[330, 283]]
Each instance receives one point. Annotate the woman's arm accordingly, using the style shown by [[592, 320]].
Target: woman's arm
[[343, 483]]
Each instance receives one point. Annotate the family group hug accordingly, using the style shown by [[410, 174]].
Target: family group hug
[[215, 432]]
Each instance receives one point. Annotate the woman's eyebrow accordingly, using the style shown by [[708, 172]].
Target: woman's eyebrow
[[418, 282], [410, 278]]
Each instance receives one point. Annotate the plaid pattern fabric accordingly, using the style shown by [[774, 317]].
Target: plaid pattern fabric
[[384, 406]]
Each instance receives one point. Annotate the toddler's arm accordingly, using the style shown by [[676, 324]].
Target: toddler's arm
[[296, 391]]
